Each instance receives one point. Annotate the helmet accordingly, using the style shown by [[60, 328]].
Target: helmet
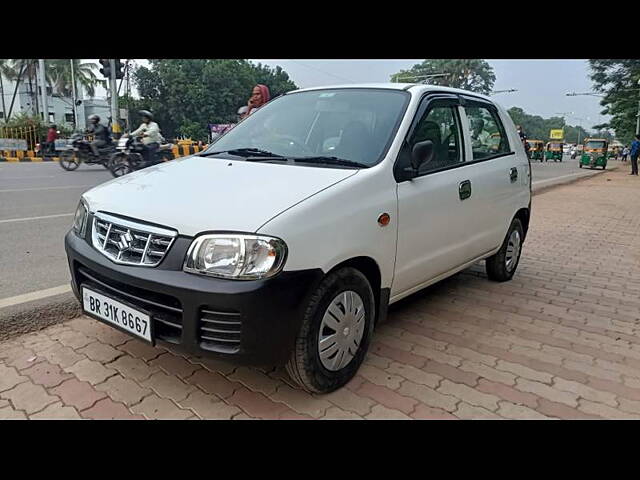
[[146, 113], [94, 118]]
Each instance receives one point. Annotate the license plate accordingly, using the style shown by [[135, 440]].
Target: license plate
[[116, 313]]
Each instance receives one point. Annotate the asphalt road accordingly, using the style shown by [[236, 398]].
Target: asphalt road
[[37, 202]]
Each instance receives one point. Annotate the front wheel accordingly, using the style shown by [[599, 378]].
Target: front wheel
[[335, 332], [119, 165], [502, 266], [69, 161]]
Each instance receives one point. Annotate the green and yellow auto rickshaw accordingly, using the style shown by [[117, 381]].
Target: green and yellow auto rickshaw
[[594, 153], [554, 151], [536, 150]]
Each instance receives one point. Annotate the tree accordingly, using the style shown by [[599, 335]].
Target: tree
[[186, 95], [618, 81], [16, 70], [468, 74], [59, 75], [538, 128]]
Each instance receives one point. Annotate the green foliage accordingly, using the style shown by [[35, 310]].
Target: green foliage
[[59, 75], [187, 94], [538, 128], [469, 74], [618, 81], [24, 120]]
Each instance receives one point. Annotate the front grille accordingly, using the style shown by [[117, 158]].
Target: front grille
[[130, 243], [219, 331], [165, 310]]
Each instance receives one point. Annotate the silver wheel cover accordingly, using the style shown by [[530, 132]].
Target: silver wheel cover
[[513, 250], [341, 330]]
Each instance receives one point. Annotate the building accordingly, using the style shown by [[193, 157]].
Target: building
[[28, 100]]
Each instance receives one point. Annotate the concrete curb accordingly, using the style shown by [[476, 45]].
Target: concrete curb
[[542, 186]]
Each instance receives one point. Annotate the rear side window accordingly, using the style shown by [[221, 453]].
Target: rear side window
[[488, 137]]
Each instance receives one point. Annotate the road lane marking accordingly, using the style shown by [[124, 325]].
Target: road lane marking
[[45, 188], [26, 219], [31, 296]]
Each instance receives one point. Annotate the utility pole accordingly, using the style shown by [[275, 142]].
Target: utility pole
[[43, 89], [73, 93], [115, 124]]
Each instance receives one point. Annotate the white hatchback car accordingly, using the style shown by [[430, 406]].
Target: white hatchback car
[[287, 239]]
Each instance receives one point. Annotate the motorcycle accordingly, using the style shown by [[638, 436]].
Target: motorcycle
[[80, 152], [129, 156]]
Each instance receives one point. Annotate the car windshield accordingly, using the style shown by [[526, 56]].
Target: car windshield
[[594, 144], [351, 124]]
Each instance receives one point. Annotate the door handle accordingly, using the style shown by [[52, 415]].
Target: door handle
[[464, 189], [513, 174]]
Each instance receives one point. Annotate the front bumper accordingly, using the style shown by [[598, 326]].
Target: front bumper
[[254, 322]]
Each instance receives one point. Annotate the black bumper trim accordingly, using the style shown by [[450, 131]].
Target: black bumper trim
[[268, 311]]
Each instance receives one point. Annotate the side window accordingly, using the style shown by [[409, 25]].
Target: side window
[[440, 125], [488, 136]]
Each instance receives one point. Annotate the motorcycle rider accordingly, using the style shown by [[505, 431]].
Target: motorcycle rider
[[101, 135], [150, 133]]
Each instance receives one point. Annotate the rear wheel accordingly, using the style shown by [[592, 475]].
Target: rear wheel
[[335, 332], [502, 266]]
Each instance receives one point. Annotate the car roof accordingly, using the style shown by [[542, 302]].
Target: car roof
[[417, 88]]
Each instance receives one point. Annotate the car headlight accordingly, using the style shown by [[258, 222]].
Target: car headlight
[[236, 256], [80, 218]]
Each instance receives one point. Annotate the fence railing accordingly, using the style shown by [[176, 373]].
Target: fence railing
[[28, 134]]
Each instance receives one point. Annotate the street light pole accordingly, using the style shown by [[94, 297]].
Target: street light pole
[[638, 115]]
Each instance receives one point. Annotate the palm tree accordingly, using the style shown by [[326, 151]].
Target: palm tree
[[16, 70], [59, 74]]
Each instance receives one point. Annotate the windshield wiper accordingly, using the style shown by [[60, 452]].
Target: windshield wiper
[[331, 161], [243, 152]]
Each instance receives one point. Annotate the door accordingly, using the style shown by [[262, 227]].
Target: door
[[434, 203], [498, 176]]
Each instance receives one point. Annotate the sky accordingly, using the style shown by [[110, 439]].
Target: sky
[[541, 84]]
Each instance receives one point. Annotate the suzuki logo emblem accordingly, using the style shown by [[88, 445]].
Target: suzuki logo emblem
[[125, 241]]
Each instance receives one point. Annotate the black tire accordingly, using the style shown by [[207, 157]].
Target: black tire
[[305, 366], [579, 164], [496, 265], [119, 165], [69, 161]]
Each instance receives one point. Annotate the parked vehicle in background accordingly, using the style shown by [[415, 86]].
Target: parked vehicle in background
[[286, 240], [80, 152]]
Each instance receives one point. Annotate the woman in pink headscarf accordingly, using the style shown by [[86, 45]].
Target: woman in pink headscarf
[[259, 97]]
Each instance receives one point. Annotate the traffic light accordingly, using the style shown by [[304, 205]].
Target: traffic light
[[119, 69], [106, 67]]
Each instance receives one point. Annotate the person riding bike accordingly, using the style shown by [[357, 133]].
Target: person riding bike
[[151, 136], [101, 135]]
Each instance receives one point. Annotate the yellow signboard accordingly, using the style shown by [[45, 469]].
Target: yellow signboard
[[557, 134]]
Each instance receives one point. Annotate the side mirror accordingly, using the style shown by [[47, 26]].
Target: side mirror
[[421, 154]]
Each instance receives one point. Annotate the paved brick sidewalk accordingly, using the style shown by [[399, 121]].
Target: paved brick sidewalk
[[560, 340]]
